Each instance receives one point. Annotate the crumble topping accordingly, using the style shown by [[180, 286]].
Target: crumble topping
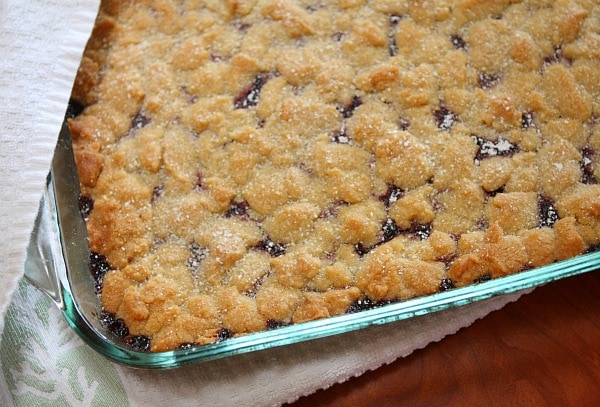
[[249, 164]]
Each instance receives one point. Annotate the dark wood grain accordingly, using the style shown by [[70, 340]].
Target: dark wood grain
[[541, 350]]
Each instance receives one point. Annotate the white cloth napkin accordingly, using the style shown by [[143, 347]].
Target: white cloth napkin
[[48, 364], [41, 42]]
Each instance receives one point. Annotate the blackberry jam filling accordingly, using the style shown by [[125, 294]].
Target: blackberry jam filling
[[250, 96], [332, 211], [187, 345], [548, 215], [340, 137], [223, 334], [482, 223], [190, 99], [403, 123], [139, 120], [86, 204], [419, 231], [157, 192], [197, 254], [364, 304], [140, 343], [487, 81], [458, 42], [348, 109], [274, 249], [488, 148], [392, 194], [115, 325], [74, 109], [526, 120], [444, 118], [587, 166], [199, 181], [361, 249], [251, 292], [99, 266], [557, 57], [482, 279], [446, 284], [594, 248], [393, 46], [272, 324], [241, 27], [238, 209], [491, 194], [389, 230]]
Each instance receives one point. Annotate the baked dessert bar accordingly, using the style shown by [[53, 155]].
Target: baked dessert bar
[[248, 164]]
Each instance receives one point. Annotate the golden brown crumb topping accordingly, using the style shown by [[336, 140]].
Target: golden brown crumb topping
[[257, 163]]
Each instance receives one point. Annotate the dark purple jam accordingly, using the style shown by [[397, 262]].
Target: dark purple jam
[[251, 292], [223, 334], [587, 166], [526, 120], [488, 148], [332, 211], [458, 42], [348, 110], [273, 248], [74, 109], [403, 123], [199, 181], [389, 230], [99, 266], [393, 46], [395, 19], [594, 248], [364, 304], [238, 209], [491, 194], [444, 118], [392, 194], [139, 120], [446, 284], [548, 215], [419, 231], [115, 325], [338, 36], [557, 57], [272, 324], [340, 137], [197, 254], [241, 26], [251, 94], [361, 249], [157, 192], [487, 80], [140, 343], [482, 223], [482, 279], [86, 204]]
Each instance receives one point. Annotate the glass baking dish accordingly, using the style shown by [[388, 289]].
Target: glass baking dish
[[57, 264]]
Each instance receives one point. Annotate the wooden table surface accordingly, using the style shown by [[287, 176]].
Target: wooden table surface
[[543, 350]]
